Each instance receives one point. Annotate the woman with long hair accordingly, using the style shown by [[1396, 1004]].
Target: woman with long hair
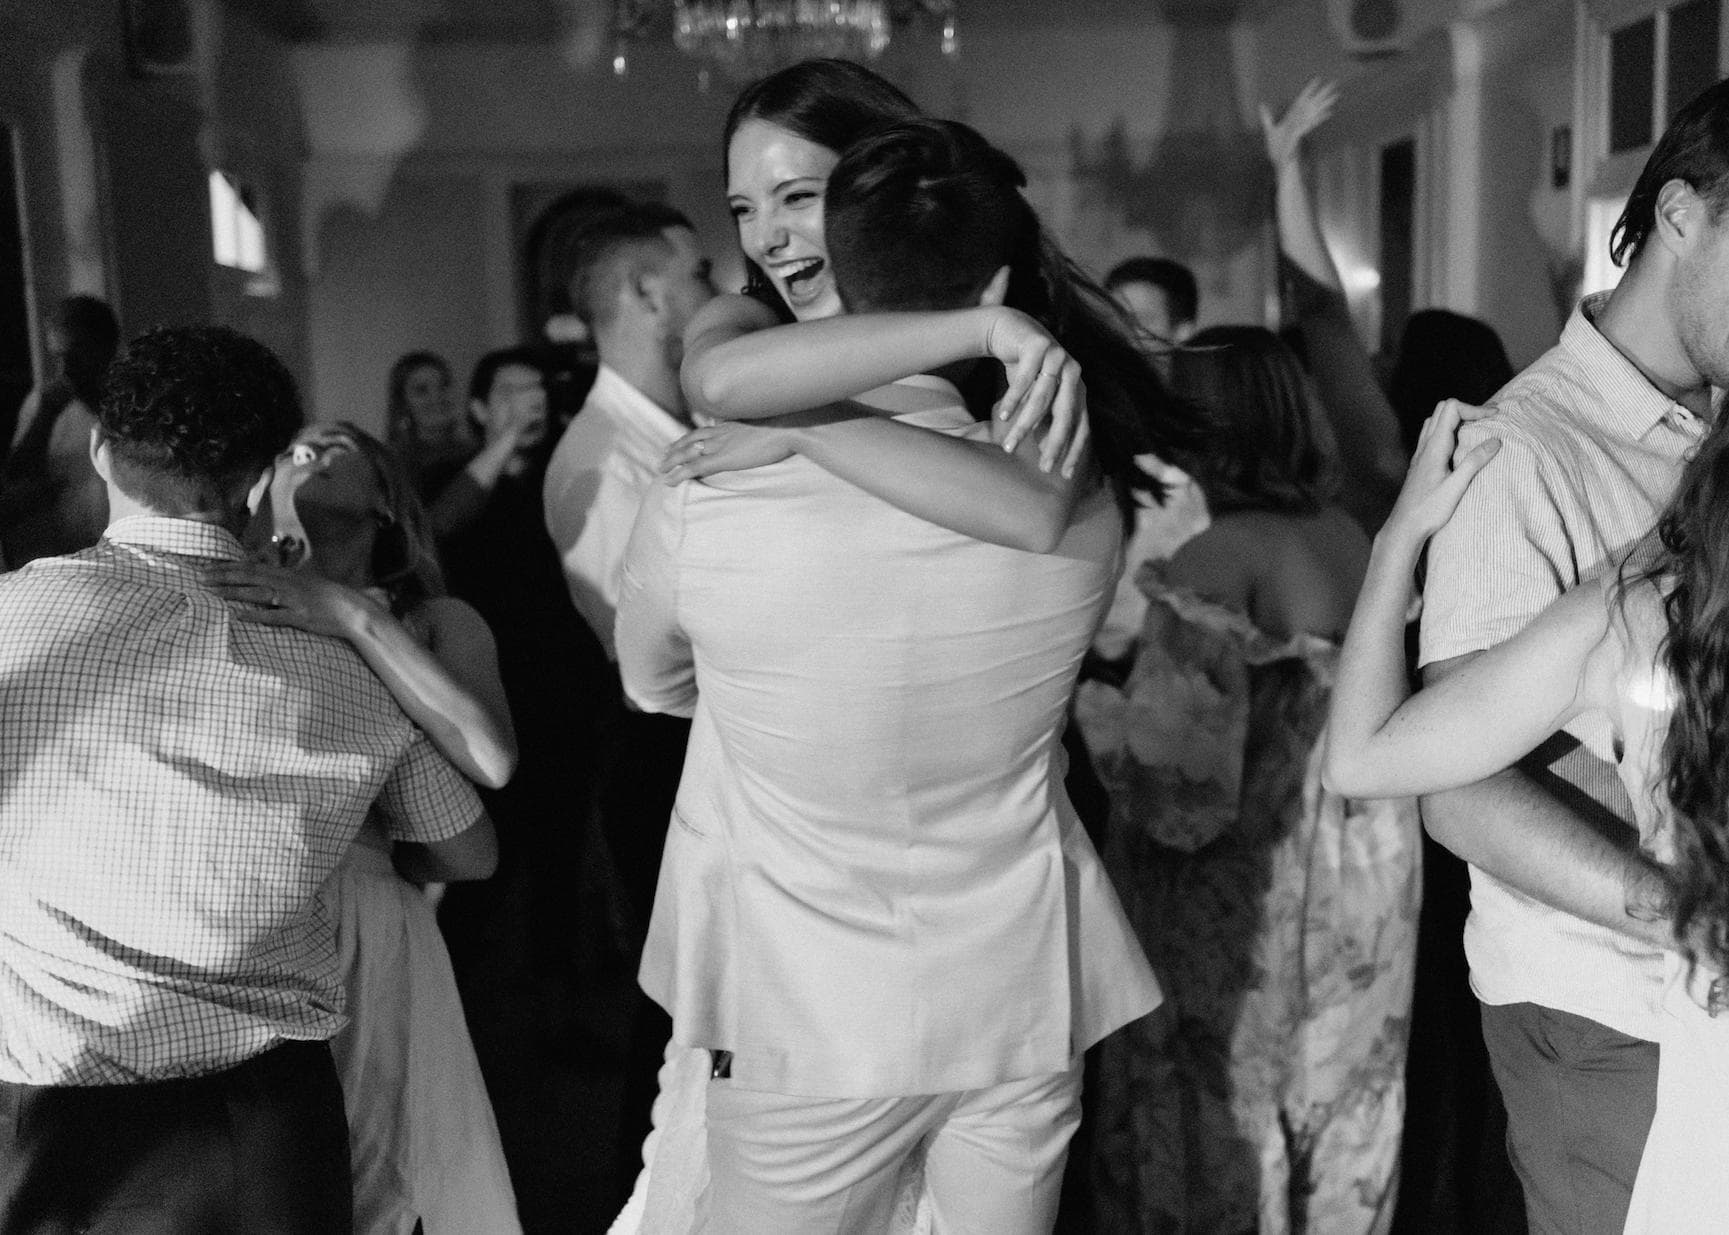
[[1644, 648], [354, 560], [1266, 1094]]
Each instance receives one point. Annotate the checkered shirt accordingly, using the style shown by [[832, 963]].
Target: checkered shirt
[[175, 784]]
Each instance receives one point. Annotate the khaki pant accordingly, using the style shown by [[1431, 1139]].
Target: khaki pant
[[993, 1158]]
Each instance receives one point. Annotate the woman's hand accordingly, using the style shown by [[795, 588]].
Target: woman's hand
[[278, 596], [1307, 112], [1435, 484], [1044, 385], [726, 446]]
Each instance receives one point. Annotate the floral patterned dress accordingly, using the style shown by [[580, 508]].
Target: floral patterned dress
[[1267, 1094]]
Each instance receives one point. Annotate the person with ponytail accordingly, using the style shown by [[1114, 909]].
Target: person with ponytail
[[878, 915]]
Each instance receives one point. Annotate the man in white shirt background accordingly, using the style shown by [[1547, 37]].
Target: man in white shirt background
[[640, 274]]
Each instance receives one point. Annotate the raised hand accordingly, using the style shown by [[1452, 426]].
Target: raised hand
[[278, 596], [1044, 385], [1435, 483], [726, 446], [1307, 112]]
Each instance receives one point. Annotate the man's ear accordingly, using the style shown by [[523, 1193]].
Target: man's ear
[[101, 455], [649, 286], [997, 290], [1678, 214]]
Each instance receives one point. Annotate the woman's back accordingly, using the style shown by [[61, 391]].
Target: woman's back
[[1289, 573]]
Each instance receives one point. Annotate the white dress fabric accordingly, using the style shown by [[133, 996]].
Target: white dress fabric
[[422, 1137], [1683, 1183]]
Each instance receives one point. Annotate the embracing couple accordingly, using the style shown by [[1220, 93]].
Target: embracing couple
[[882, 935]]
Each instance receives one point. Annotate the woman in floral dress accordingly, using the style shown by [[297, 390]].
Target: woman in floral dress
[[1267, 1094]]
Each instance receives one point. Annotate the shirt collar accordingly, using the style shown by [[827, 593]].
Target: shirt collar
[[185, 537], [1627, 399], [630, 406]]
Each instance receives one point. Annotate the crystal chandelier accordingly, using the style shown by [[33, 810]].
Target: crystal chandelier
[[745, 39]]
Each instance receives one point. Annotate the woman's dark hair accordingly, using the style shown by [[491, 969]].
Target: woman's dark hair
[[830, 102], [1692, 565], [1693, 149], [1444, 355], [922, 213], [400, 424], [1264, 451]]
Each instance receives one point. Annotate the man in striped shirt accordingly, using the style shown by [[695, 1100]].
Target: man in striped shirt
[[1566, 928], [175, 784]]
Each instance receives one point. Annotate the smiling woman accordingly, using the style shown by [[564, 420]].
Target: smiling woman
[[775, 191]]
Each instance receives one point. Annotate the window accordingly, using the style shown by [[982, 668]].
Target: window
[[1658, 63], [1632, 78], [1692, 59], [236, 232]]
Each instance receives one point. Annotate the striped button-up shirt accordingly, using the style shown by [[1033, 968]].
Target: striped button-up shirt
[[175, 784], [1590, 454]]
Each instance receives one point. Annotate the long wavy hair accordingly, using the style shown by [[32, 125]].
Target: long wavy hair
[[399, 420], [404, 556], [1692, 568], [1265, 450]]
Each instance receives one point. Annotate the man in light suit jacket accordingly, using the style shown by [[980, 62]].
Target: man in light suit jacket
[[876, 897]]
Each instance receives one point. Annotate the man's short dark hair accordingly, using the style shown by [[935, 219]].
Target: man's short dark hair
[[1695, 149], [619, 245], [1175, 280], [921, 214], [487, 367], [190, 414]]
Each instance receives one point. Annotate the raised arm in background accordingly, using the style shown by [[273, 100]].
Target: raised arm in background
[[1365, 426], [448, 685]]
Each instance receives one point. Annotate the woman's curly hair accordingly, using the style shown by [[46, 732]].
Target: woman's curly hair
[[1692, 567]]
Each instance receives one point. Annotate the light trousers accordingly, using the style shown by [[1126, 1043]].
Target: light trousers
[[992, 1159]]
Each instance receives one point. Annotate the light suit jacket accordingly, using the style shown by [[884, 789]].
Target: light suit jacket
[[874, 884]]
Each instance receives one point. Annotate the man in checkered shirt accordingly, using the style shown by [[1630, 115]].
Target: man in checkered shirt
[[175, 784]]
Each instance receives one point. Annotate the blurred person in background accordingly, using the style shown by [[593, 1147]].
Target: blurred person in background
[[1160, 294], [516, 940], [51, 499], [1267, 1094]]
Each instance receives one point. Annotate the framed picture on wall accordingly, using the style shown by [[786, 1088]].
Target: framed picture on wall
[[160, 40]]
